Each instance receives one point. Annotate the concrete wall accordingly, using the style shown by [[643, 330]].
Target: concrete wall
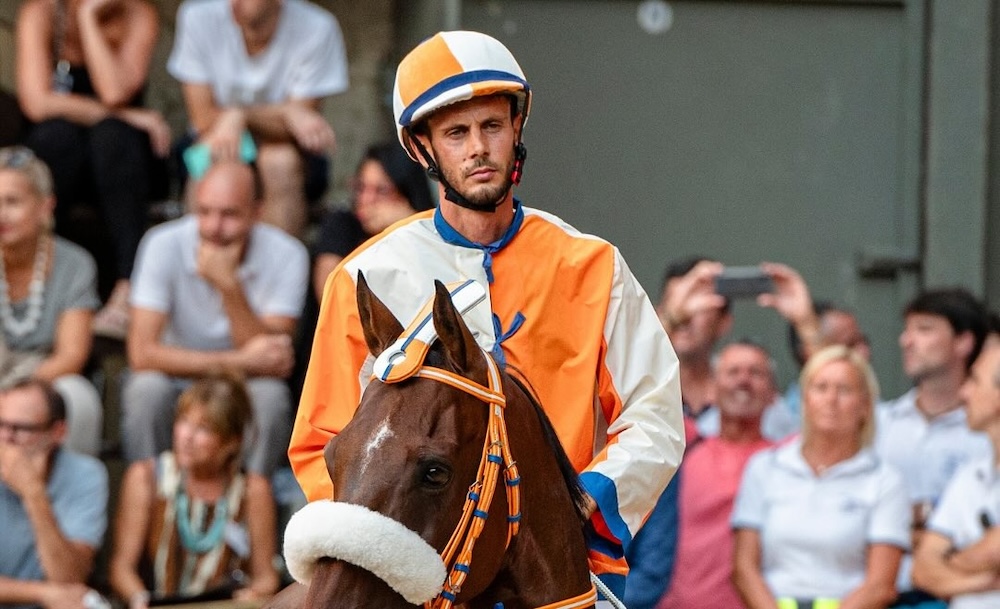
[[360, 116]]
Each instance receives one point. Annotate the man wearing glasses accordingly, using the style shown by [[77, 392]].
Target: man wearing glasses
[[52, 503]]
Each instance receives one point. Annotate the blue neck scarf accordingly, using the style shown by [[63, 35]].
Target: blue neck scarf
[[453, 237]]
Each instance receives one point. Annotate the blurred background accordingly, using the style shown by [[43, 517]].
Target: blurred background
[[851, 139]]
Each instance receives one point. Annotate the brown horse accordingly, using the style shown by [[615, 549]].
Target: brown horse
[[415, 452]]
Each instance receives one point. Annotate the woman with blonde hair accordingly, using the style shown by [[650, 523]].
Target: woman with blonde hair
[[190, 523], [822, 522], [48, 293]]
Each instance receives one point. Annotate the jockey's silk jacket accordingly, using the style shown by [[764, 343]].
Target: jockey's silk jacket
[[567, 313]]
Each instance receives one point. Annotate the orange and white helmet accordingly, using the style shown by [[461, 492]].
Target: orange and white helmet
[[452, 67]]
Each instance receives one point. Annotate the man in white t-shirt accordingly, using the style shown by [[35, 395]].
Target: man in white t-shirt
[[214, 290], [959, 555], [262, 66], [923, 433]]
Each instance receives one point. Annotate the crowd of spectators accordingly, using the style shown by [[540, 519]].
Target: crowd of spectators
[[818, 496], [833, 514]]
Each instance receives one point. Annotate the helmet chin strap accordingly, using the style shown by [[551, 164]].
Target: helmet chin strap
[[435, 173]]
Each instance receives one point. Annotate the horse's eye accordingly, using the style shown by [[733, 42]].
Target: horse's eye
[[435, 475]]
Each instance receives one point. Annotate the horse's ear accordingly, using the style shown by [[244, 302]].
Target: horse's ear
[[460, 347], [380, 326]]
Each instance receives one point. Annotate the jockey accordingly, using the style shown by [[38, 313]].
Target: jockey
[[562, 308]]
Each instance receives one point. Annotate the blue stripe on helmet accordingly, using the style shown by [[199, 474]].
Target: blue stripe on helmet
[[453, 82]]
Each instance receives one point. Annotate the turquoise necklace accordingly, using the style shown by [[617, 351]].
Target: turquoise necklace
[[200, 540]]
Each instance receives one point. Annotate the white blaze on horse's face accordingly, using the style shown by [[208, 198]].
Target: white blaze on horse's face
[[380, 435]]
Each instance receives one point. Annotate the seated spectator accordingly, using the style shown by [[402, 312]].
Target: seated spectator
[[82, 67], [52, 503], [47, 297], [214, 290], [959, 554], [191, 516], [822, 519], [263, 67], [710, 476], [387, 187]]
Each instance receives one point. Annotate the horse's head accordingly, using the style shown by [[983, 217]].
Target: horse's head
[[410, 458]]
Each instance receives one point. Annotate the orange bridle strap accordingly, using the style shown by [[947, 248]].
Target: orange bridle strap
[[457, 555], [586, 599]]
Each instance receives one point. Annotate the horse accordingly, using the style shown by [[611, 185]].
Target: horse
[[414, 475]]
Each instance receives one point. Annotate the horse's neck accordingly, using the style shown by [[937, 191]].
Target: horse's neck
[[547, 561], [530, 578]]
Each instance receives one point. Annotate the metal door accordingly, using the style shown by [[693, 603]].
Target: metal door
[[747, 131]]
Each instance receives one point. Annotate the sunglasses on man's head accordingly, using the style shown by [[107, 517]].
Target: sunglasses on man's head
[[16, 157]]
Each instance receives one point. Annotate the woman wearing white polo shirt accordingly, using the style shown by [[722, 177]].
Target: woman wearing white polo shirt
[[821, 522]]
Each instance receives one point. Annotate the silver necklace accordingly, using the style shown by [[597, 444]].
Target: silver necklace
[[36, 292]]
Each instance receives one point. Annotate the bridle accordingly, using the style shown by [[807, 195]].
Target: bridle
[[496, 455], [457, 555]]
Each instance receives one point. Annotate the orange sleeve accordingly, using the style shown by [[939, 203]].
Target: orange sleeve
[[332, 389]]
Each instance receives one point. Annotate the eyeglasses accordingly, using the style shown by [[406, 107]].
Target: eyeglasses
[[22, 430], [16, 157], [359, 188]]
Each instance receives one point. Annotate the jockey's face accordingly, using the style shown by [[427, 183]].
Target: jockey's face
[[473, 144]]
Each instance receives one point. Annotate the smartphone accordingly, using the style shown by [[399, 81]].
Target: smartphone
[[743, 282]]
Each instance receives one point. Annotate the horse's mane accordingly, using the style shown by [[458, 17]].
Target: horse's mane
[[572, 479]]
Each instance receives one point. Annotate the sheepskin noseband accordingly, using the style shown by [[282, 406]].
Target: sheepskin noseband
[[362, 537]]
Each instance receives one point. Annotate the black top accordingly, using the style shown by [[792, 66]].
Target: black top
[[340, 234]]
